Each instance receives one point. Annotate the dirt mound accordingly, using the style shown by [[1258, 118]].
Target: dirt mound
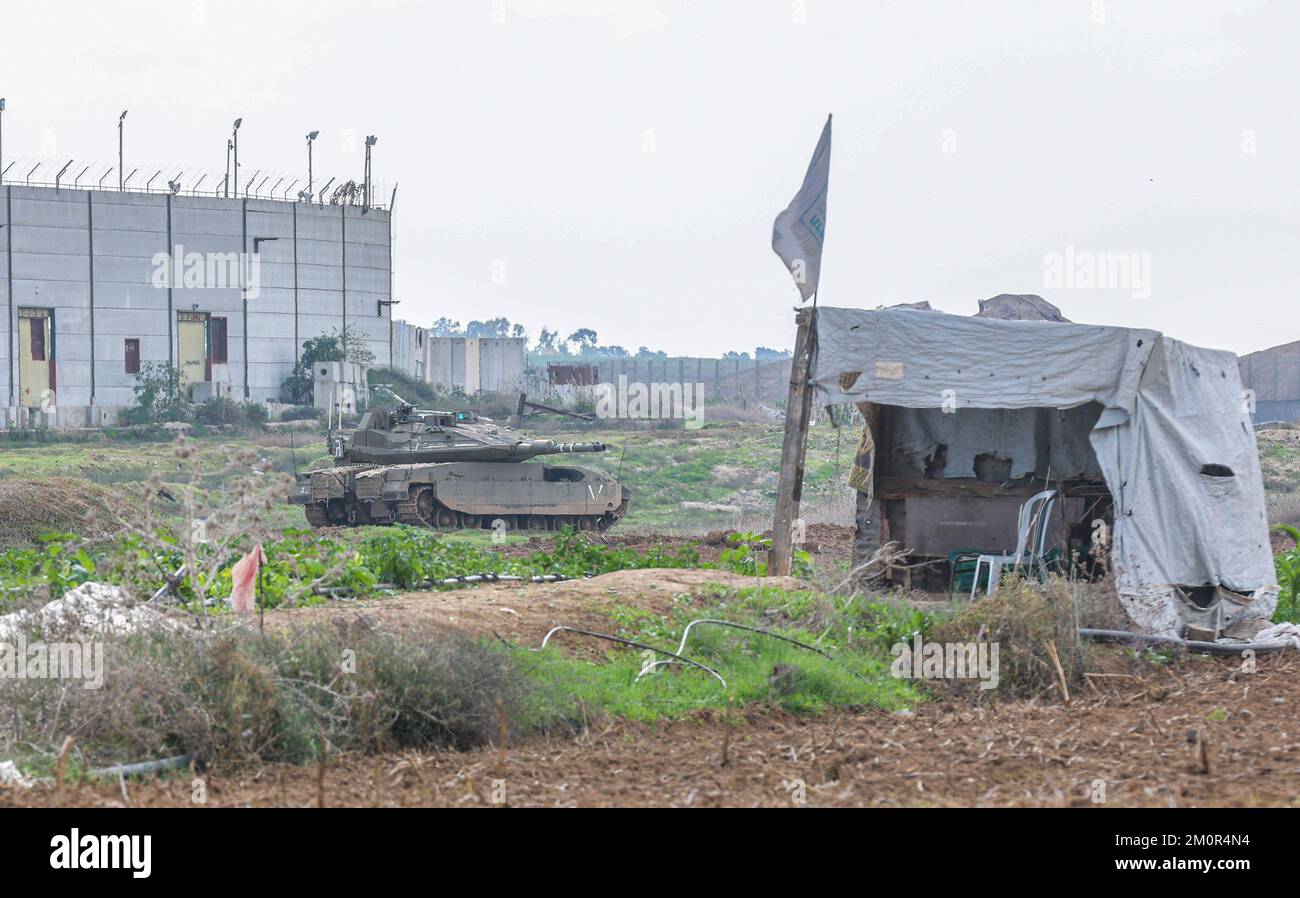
[[31, 508], [524, 612]]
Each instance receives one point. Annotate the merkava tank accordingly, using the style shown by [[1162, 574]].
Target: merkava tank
[[451, 470]]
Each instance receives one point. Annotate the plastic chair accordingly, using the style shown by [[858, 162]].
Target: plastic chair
[[1030, 543]]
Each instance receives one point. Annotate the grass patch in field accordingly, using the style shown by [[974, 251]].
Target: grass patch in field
[[756, 666]]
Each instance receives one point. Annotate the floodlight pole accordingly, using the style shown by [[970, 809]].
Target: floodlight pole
[[2, 140], [121, 120], [370, 142], [794, 446], [311, 136], [235, 143]]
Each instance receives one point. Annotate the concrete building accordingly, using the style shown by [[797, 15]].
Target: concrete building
[[96, 283]]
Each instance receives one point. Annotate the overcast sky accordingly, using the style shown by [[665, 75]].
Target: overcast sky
[[620, 162]]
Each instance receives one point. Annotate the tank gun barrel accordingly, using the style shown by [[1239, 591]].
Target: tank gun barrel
[[532, 448], [391, 392], [580, 447]]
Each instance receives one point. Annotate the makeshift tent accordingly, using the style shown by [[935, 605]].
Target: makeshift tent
[[1163, 424]]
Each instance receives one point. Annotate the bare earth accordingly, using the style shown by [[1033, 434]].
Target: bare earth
[[1196, 732]]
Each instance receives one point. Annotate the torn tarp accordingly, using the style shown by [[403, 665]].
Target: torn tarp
[[1173, 439]]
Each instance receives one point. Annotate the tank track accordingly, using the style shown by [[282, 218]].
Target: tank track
[[408, 512]]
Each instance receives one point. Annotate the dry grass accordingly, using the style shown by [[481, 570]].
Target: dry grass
[[31, 508], [1031, 624], [239, 697]]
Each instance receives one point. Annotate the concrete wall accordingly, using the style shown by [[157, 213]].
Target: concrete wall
[[1274, 374], [410, 349], [474, 364], [727, 380], [1268, 411], [90, 256]]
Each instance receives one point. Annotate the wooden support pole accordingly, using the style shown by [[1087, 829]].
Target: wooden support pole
[[866, 538], [798, 407]]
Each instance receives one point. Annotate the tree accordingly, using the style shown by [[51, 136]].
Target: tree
[[356, 349], [519, 332], [445, 327], [299, 388], [767, 354], [585, 337], [493, 327], [546, 342], [609, 352], [736, 355]]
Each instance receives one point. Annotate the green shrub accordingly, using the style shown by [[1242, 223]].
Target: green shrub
[[159, 396], [301, 413], [218, 410], [1288, 576]]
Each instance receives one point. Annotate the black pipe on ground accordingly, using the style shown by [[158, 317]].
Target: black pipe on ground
[[1191, 645]]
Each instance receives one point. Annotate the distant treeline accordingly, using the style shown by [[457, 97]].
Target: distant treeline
[[582, 343]]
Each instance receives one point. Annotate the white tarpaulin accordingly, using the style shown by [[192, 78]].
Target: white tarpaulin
[[1174, 440], [800, 229]]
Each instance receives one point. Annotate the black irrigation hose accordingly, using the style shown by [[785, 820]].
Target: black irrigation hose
[[760, 630], [1191, 645], [764, 631], [143, 768], [346, 592], [634, 644]]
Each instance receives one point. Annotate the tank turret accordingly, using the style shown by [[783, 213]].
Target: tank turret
[[454, 469], [404, 435]]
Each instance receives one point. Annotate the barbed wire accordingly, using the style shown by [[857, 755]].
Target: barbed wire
[[181, 180]]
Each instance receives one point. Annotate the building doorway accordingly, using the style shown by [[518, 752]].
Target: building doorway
[[36, 373], [192, 344]]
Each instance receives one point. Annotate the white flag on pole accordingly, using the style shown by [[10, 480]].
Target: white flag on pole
[[799, 230]]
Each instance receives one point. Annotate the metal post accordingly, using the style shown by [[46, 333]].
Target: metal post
[[171, 274], [235, 172], [392, 203], [390, 289], [243, 287], [343, 257], [9, 277], [2, 140], [121, 119], [295, 285], [90, 252], [371, 140], [311, 136]]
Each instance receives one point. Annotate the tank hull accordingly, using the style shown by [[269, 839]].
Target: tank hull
[[462, 494]]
